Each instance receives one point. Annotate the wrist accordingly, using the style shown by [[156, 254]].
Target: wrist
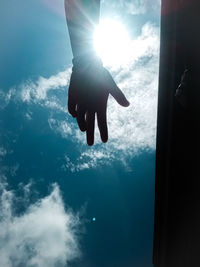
[[85, 61]]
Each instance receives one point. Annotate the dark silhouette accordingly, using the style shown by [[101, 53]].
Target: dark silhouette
[[90, 83], [177, 198]]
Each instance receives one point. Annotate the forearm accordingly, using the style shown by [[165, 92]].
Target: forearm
[[82, 17]]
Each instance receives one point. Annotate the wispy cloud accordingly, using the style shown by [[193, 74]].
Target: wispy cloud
[[37, 91], [133, 7], [134, 128], [88, 159], [136, 7], [44, 235], [64, 128]]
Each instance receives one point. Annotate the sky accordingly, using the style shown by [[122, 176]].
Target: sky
[[62, 203]]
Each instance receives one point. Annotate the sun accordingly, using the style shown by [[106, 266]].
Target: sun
[[112, 42]]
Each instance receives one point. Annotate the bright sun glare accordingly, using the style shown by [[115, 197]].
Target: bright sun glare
[[112, 42]]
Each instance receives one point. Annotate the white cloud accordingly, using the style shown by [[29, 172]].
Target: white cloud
[[134, 128], [88, 159], [38, 90], [6, 97], [134, 7], [44, 235], [64, 128]]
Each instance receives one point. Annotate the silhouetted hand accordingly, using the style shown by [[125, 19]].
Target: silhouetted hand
[[88, 94]]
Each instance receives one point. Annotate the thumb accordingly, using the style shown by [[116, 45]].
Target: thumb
[[116, 92]]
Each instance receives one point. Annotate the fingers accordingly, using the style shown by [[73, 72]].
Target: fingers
[[88, 124], [81, 118], [90, 118], [102, 124], [116, 92]]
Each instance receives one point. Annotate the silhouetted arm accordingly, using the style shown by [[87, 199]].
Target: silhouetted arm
[[82, 17], [90, 83]]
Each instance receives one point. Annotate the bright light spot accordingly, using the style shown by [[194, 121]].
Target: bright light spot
[[93, 219], [112, 42]]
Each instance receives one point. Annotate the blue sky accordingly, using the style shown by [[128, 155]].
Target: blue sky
[[52, 184]]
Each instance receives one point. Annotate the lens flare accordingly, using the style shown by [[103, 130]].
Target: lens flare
[[112, 42]]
